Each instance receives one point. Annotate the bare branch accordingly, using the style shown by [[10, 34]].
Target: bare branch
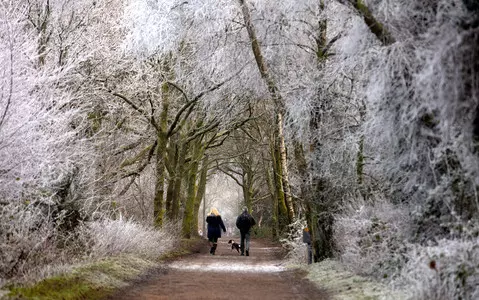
[[179, 89], [129, 102], [203, 130], [376, 27], [191, 104], [10, 91], [231, 176]]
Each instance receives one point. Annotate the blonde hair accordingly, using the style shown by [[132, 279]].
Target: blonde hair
[[214, 211]]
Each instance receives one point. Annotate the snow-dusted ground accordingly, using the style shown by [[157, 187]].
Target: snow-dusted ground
[[225, 266], [261, 260]]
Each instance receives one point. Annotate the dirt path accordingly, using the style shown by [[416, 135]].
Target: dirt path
[[226, 275]]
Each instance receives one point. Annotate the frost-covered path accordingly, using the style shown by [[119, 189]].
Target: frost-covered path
[[226, 275]]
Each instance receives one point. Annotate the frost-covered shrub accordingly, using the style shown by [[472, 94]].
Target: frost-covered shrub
[[34, 241], [370, 239], [113, 237], [447, 270], [293, 242], [27, 238], [33, 245], [421, 106]]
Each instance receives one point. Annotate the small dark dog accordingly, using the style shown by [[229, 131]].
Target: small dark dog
[[234, 245]]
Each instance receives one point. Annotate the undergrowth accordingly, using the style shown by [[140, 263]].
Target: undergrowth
[[101, 278]]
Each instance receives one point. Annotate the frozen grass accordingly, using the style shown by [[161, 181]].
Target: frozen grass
[[374, 240], [125, 236], [97, 279], [119, 251], [447, 270], [89, 281], [345, 285], [90, 242]]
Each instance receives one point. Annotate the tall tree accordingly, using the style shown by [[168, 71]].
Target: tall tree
[[278, 103]]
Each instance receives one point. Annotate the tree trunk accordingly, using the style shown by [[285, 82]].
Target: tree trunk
[[360, 155], [274, 202], [204, 216], [247, 186], [159, 184], [44, 35], [263, 69], [307, 197], [160, 159], [374, 25], [278, 103], [201, 191], [170, 192], [192, 188], [180, 167], [284, 168], [282, 210], [360, 161]]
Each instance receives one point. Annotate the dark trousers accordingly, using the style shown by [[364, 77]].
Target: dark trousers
[[245, 238]]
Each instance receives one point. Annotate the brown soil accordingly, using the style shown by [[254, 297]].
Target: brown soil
[[226, 275]]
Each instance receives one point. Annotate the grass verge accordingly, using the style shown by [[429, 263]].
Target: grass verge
[[99, 279], [344, 285]]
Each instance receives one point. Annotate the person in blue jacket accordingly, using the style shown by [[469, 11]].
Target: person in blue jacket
[[215, 225]]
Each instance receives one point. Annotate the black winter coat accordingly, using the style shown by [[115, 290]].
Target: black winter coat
[[215, 224], [244, 222]]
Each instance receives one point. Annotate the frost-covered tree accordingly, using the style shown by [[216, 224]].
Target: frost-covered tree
[[418, 128], [359, 116], [48, 154]]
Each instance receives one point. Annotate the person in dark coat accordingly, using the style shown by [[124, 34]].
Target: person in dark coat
[[244, 222], [215, 225]]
